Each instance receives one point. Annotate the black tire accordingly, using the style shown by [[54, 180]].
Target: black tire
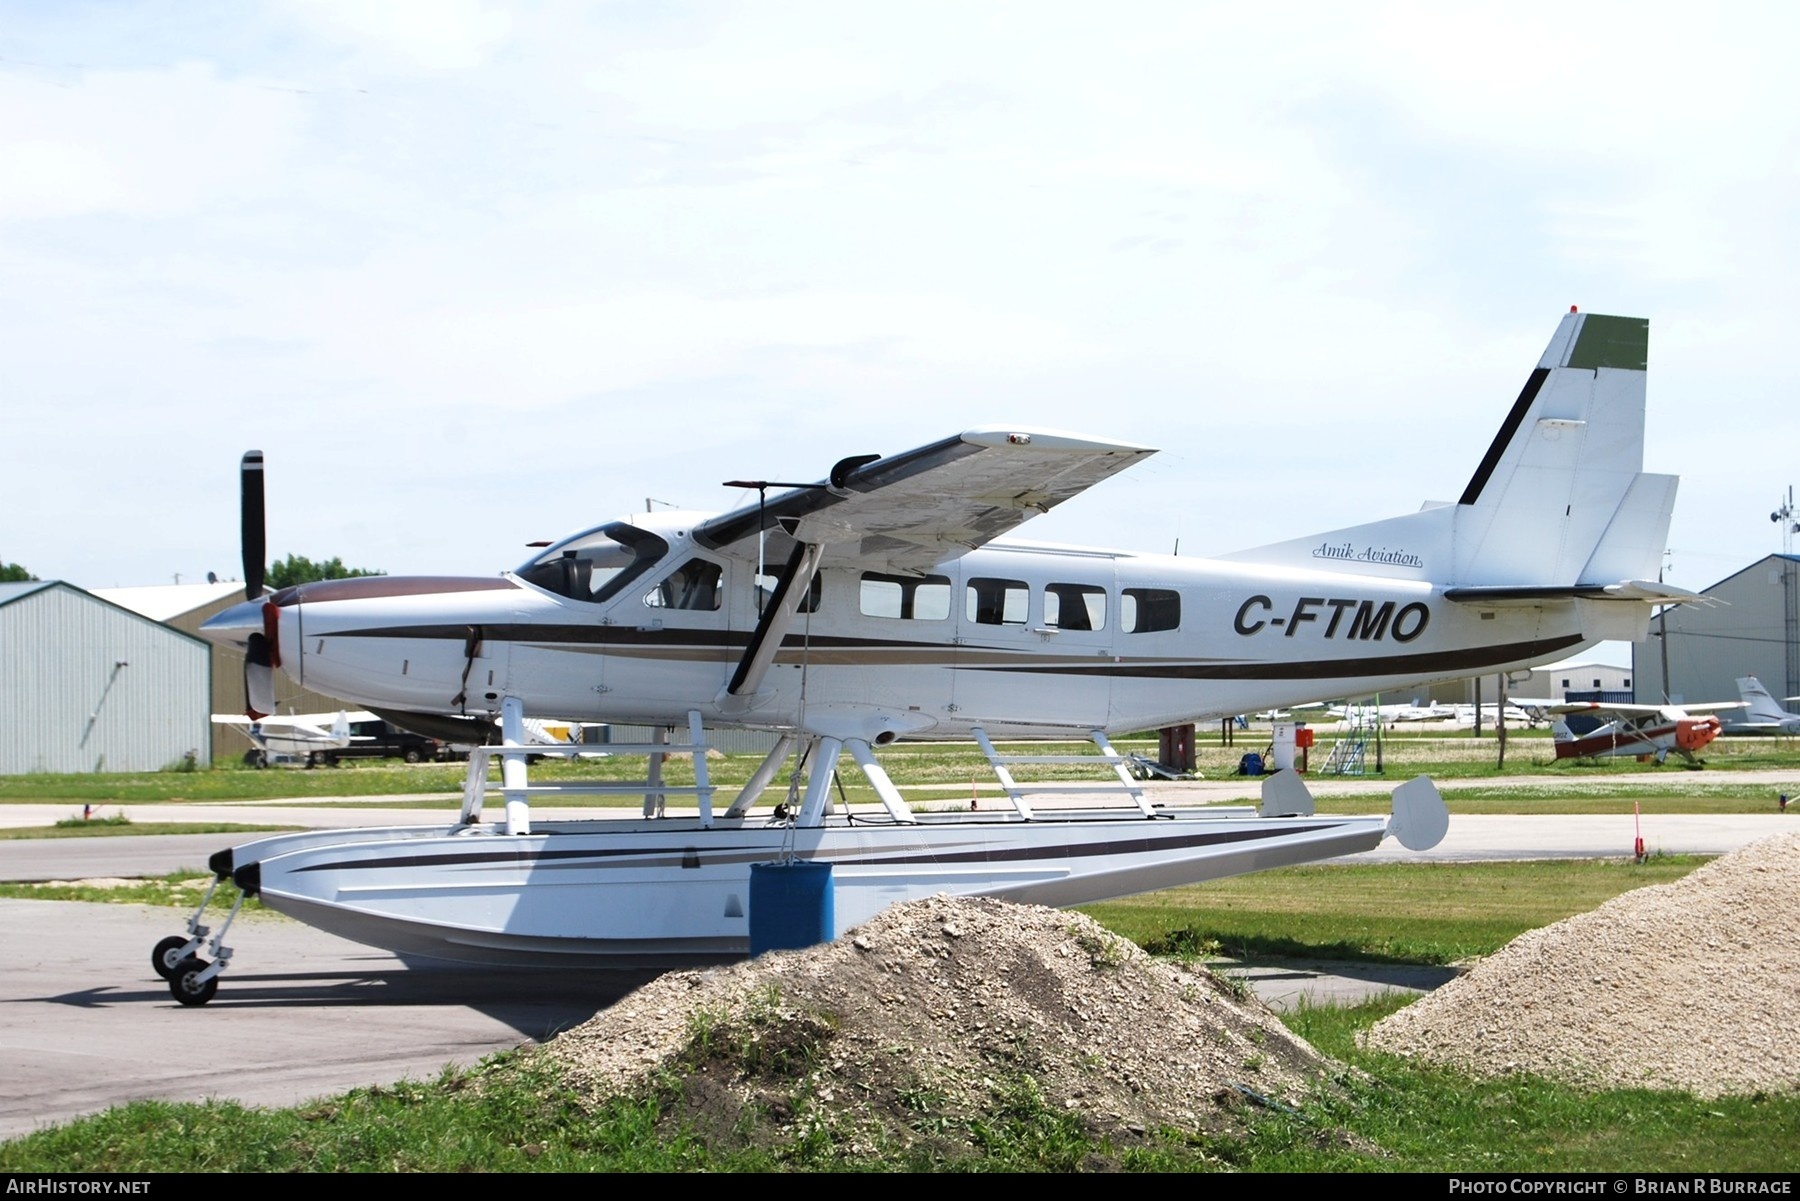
[[163, 958], [413, 755], [315, 759], [184, 988], [255, 758]]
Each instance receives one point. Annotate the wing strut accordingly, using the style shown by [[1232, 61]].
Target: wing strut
[[777, 616]]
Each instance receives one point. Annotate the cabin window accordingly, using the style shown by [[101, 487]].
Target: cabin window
[[765, 592], [693, 586], [997, 602], [1147, 610], [598, 564], [905, 597], [1075, 606]]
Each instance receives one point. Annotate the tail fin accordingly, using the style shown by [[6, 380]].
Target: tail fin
[[1763, 707], [1559, 500], [340, 728]]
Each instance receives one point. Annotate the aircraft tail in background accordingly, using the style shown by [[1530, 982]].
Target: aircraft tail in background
[[1763, 714]]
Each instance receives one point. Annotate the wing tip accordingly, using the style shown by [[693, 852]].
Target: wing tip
[[1041, 439]]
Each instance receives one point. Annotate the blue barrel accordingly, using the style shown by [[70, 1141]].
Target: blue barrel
[[790, 906]]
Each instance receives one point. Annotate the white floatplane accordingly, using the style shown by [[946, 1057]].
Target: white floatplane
[[888, 610]]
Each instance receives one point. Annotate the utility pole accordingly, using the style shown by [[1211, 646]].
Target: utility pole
[[1500, 720], [1790, 589], [1662, 618]]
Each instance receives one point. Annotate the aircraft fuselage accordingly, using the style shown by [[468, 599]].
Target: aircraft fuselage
[[1017, 639]]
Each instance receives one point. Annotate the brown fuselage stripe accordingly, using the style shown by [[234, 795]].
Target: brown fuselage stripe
[[691, 645]]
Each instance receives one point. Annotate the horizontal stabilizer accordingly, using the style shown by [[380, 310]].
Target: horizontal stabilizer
[[1647, 592]]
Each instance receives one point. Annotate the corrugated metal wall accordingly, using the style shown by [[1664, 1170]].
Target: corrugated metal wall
[[66, 705], [1751, 634]]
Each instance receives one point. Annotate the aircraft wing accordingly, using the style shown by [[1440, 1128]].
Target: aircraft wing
[[1604, 707], [1672, 711], [909, 511]]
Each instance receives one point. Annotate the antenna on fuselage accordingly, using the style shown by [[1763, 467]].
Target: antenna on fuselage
[[838, 480], [762, 503]]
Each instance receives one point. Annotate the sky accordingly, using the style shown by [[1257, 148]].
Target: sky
[[473, 274]]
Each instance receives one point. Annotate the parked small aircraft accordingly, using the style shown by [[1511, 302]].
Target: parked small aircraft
[[302, 737], [1390, 715], [1763, 713], [890, 609], [1595, 729]]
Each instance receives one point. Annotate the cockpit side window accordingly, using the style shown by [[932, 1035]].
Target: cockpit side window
[[694, 585], [765, 592], [597, 565]]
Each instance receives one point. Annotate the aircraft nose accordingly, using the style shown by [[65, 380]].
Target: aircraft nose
[[233, 626]]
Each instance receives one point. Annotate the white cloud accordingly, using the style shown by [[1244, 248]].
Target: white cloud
[[140, 142], [435, 35]]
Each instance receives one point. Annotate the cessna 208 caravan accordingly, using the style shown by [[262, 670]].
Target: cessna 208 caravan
[[891, 610]]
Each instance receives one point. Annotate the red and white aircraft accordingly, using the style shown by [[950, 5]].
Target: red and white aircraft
[[1595, 729]]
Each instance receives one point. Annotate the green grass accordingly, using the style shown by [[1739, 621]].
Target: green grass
[[514, 1114], [1577, 797], [1432, 913], [463, 1121], [113, 828], [1427, 1120], [1457, 758], [228, 784], [180, 889]]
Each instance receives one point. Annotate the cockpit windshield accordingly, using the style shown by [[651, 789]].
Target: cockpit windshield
[[596, 565]]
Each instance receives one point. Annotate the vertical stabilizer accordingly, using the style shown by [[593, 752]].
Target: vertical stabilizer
[[1559, 498], [1564, 465], [1761, 708]]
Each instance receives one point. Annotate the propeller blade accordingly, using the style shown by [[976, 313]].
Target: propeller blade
[[255, 548], [259, 678]]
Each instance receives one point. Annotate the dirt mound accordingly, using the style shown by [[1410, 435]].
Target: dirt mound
[[920, 1024], [1687, 986]]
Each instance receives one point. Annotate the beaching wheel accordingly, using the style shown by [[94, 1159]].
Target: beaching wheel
[[167, 956], [185, 985]]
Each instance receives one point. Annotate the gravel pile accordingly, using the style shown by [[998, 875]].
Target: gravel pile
[[1689, 986], [936, 1014]]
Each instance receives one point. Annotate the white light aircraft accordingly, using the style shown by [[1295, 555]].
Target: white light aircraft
[[1391, 715], [305, 737], [892, 610], [1763, 713]]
